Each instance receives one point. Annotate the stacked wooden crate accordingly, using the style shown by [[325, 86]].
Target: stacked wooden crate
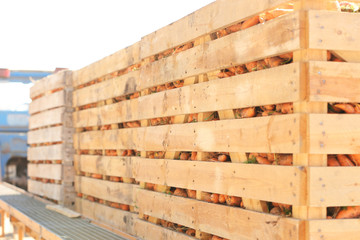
[[50, 155], [226, 125]]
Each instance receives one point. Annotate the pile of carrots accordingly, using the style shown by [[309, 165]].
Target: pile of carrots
[[271, 158], [123, 207], [46, 180], [349, 160], [275, 109], [344, 108]]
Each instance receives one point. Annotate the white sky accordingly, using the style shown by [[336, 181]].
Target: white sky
[[45, 34]]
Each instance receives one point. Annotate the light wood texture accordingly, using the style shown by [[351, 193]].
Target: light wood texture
[[149, 231], [255, 43], [276, 134], [334, 133], [51, 117], [117, 61], [50, 135], [349, 56], [348, 229], [222, 12], [62, 152], [117, 218], [239, 224], [334, 186], [111, 88], [105, 165], [106, 190], [332, 31], [54, 100], [51, 82], [235, 179], [334, 82], [48, 171], [251, 89], [50, 190], [62, 210]]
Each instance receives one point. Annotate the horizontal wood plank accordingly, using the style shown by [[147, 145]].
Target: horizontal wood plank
[[334, 82], [59, 115], [252, 89], [53, 152], [208, 19], [105, 165], [334, 186], [334, 133], [275, 134], [209, 218], [54, 100], [106, 190], [47, 135], [122, 220], [331, 30], [117, 61], [282, 184], [48, 171], [49, 190], [272, 38], [334, 229], [149, 231], [60, 79]]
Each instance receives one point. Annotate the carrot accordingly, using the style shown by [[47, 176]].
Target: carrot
[[284, 207], [115, 179], [130, 152], [90, 198], [221, 33], [286, 56], [222, 158], [96, 175], [124, 207], [79, 194], [178, 83], [193, 118], [355, 158], [240, 69], [184, 47], [349, 212], [160, 88], [285, 108], [273, 61], [115, 205], [222, 198], [357, 108], [193, 156], [251, 66], [250, 22], [344, 160], [333, 162], [233, 201], [184, 156], [191, 193], [180, 192], [150, 186], [168, 52], [268, 107], [190, 232], [169, 86], [247, 112], [348, 108], [277, 211], [328, 55], [262, 160], [234, 28], [214, 198]]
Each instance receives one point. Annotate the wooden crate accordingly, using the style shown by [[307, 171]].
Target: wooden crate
[[50, 154], [308, 133]]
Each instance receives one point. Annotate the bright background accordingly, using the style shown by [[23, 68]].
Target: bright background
[[45, 34]]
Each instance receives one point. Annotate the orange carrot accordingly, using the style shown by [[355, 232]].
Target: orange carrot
[[150, 186], [252, 66], [333, 162], [221, 33], [222, 198], [180, 192], [234, 28], [273, 61], [349, 212], [184, 156], [286, 56], [222, 158], [250, 22], [214, 198], [233, 201], [240, 69], [346, 107], [328, 55], [191, 193], [96, 175], [355, 158], [190, 232], [262, 160], [344, 160], [193, 156], [247, 112], [277, 211], [124, 207]]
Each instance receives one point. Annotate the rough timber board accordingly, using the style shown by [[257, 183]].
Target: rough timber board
[[334, 229], [208, 217], [275, 134], [117, 61], [334, 133], [149, 231], [334, 30], [271, 183], [48, 171], [51, 82], [334, 82], [59, 115], [111, 88], [204, 21], [54, 152], [334, 186], [50, 135], [105, 165], [106, 190], [52, 191], [272, 38], [122, 220], [251, 89], [56, 99]]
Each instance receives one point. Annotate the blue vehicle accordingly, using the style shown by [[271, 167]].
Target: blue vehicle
[[14, 121]]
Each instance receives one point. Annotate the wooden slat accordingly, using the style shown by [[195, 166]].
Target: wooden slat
[[334, 133], [275, 37], [122, 220], [51, 82], [348, 56], [111, 88], [48, 171], [62, 210], [55, 116], [275, 134], [106, 190], [334, 186], [334, 82], [52, 191], [45, 135], [252, 89], [57, 99], [271, 183], [332, 31], [105, 165], [208, 217], [149, 231], [117, 61], [335, 229], [53, 152], [206, 20]]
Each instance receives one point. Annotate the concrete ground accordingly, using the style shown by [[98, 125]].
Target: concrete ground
[[9, 232]]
